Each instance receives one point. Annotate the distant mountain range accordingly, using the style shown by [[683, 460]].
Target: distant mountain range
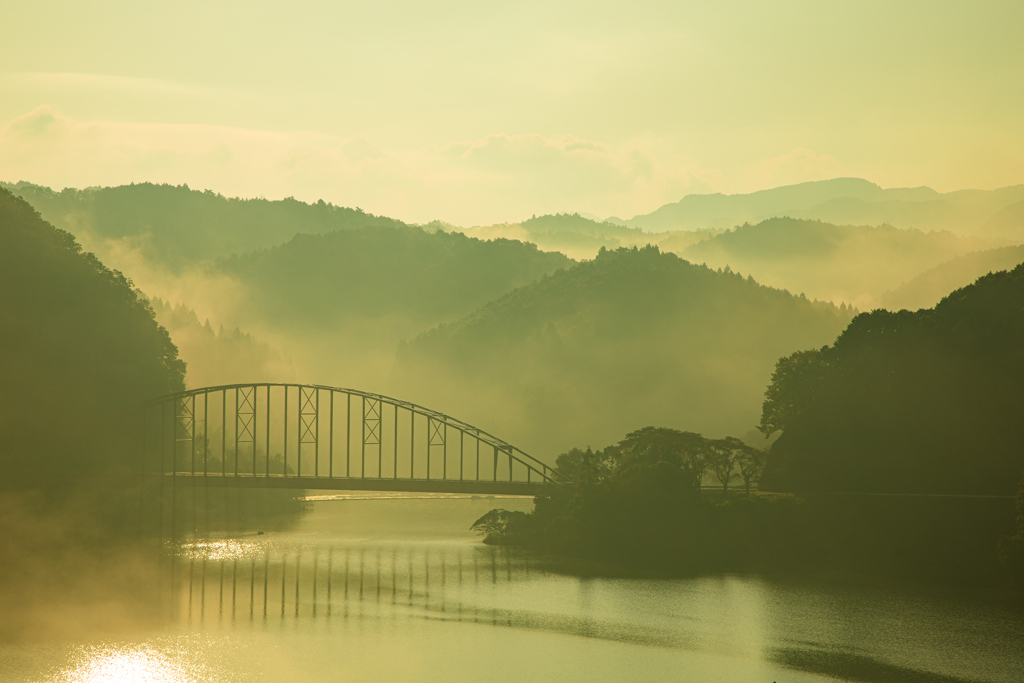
[[840, 201], [522, 339]]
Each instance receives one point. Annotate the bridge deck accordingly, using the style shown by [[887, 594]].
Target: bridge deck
[[357, 484]]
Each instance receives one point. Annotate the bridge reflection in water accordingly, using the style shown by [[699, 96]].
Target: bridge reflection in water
[[234, 582]]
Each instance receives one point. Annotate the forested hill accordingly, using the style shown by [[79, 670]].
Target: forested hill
[[853, 263], [175, 225], [928, 288], [78, 348], [571, 234], [922, 402], [579, 237], [325, 281], [632, 338], [334, 289]]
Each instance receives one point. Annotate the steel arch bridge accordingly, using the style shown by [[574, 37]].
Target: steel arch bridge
[[308, 436]]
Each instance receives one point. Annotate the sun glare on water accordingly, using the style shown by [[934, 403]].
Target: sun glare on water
[[131, 664]]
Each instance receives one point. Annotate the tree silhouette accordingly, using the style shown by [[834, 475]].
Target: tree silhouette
[[751, 464], [81, 349], [723, 457], [907, 402]]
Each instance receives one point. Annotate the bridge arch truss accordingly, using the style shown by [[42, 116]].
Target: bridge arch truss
[[276, 435]]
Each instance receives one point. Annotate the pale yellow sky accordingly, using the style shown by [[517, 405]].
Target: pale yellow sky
[[485, 112]]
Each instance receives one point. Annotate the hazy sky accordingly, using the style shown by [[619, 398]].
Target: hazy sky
[[476, 112]]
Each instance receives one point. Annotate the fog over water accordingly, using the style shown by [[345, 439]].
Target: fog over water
[[391, 589]]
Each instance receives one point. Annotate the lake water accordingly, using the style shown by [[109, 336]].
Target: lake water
[[400, 590]]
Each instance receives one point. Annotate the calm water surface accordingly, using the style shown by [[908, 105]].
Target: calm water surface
[[399, 590]]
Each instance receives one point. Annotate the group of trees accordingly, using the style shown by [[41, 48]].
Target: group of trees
[[907, 402], [638, 506], [639, 503], [81, 350], [691, 457], [224, 356]]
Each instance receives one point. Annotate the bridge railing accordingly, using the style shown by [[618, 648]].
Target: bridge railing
[[315, 431]]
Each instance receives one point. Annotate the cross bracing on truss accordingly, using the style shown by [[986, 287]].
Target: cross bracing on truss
[[261, 419]]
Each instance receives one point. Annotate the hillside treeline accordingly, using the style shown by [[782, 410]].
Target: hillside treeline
[[638, 504], [81, 350], [927, 401], [221, 356], [637, 507], [633, 337], [332, 290], [341, 303], [326, 281], [174, 226], [579, 237], [852, 263]]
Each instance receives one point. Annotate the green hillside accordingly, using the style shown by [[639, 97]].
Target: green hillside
[[853, 263], [80, 346], [922, 402], [333, 289], [632, 338], [222, 356], [579, 237], [928, 288], [324, 281], [174, 225], [340, 303]]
